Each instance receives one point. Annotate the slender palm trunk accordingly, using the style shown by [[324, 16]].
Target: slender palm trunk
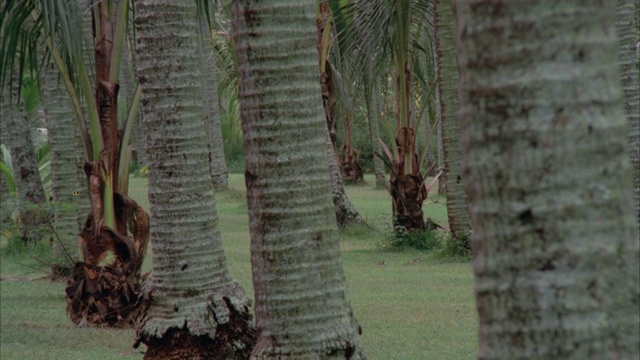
[[442, 186], [373, 99], [448, 79], [628, 42], [197, 311], [301, 303], [65, 187], [17, 137], [346, 212], [128, 83], [211, 112], [555, 240]]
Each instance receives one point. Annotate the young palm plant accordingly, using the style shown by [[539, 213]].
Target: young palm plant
[[104, 287], [388, 33]]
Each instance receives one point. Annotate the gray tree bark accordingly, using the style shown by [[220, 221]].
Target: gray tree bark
[[628, 44], [198, 310], [372, 98], [17, 138], [346, 212], [63, 142], [301, 302], [211, 113], [442, 186], [448, 79], [549, 180]]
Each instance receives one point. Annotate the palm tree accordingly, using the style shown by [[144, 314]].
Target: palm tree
[[63, 138], [389, 35], [301, 305], [549, 180], [17, 137], [447, 70], [211, 111], [197, 310], [346, 212], [114, 237], [628, 41], [372, 99]]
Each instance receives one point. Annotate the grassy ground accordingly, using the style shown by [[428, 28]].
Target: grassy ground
[[410, 304]]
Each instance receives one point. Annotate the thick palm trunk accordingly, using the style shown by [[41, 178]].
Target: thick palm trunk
[[65, 187], [197, 310], [448, 79], [211, 113], [628, 42], [301, 306], [545, 140]]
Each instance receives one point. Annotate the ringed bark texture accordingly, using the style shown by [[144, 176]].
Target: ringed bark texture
[[193, 292], [628, 44], [301, 309], [211, 112], [17, 137], [65, 187], [549, 180], [448, 81]]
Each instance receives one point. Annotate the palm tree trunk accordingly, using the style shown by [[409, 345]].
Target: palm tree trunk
[[17, 137], [373, 99], [65, 187], [128, 83], [628, 41], [549, 180], [448, 79], [442, 186], [211, 112], [346, 212], [198, 311], [301, 302]]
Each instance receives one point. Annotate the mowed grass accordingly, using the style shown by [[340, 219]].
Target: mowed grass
[[410, 304]]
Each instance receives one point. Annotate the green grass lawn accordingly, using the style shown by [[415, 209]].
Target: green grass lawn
[[410, 304]]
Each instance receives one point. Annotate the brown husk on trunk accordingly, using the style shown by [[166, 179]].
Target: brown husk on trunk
[[233, 338], [408, 194], [349, 162], [408, 191], [181, 344], [109, 295]]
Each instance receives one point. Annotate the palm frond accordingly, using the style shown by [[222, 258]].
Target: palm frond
[[26, 24]]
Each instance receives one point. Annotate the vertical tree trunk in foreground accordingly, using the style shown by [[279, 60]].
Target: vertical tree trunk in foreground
[[549, 180], [301, 302], [448, 79], [197, 310], [628, 42]]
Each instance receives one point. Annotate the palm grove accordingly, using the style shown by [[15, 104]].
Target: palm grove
[[534, 108]]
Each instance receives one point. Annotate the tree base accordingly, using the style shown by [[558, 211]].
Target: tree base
[[408, 193], [180, 344], [103, 296]]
